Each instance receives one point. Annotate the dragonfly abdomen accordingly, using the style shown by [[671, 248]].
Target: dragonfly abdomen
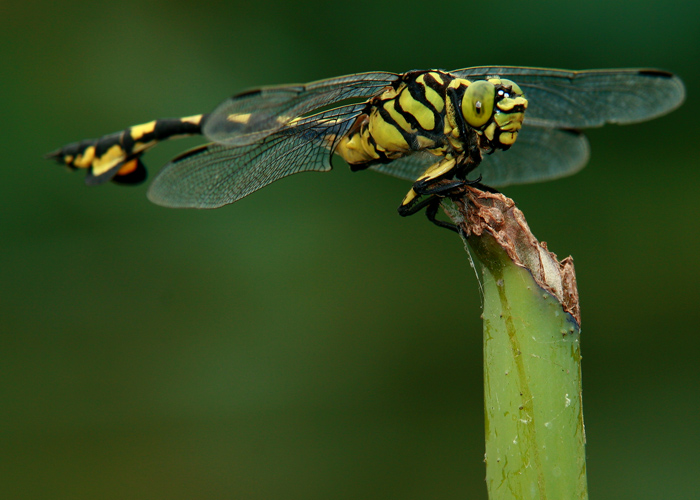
[[117, 156]]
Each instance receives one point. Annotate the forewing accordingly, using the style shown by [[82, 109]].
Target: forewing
[[217, 174], [581, 99], [248, 117], [539, 154]]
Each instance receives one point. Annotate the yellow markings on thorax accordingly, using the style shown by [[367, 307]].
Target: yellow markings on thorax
[[355, 148], [393, 129], [423, 115], [84, 159], [390, 107], [386, 135], [434, 99], [108, 160], [138, 131], [452, 112], [431, 95], [436, 76], [451, 129], [458, 82], [450, 124]]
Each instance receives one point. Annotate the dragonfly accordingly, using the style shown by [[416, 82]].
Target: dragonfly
[[488, 126]]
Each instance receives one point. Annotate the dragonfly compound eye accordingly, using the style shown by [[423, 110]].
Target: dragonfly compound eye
[[477, 103]]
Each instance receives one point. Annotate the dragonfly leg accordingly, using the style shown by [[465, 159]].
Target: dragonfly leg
[[444, 187], [483, 187], [435, 192], [436, 183], [431, 205], [431, 214]]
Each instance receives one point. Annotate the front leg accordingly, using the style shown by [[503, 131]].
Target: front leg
[[437, 182], [433, 204]]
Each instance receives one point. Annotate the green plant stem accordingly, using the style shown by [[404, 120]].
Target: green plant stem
[[532, 387], [535, 440]]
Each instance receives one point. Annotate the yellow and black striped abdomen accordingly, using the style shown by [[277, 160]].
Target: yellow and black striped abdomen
[[405, 118], [117, 156]]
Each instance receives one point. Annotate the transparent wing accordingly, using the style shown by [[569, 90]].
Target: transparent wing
[[409, 167], [539, 154], [581, 99], [248, 117], [217, 174]]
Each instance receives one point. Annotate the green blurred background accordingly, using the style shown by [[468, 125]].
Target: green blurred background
[[307, 342]]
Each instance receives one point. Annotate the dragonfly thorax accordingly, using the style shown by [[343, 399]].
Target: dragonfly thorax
[[434, 111], [407, 117]]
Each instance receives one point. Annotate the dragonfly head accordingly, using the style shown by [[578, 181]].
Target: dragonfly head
[[495, 108]]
